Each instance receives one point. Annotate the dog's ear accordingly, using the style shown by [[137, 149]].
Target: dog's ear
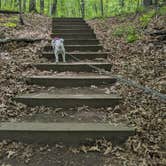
[[62, 40]]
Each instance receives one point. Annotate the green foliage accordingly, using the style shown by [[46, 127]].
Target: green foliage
[[127, 32], [132, 38], [10, 24], [162, 11], [146, 18], [72, 8]]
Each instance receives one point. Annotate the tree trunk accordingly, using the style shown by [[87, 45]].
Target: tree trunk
[[24, 5], [20, 10], [147, 2], [121, 3], [32, 6], [54, 7], [41, 6], [83, 8], [102, 8]]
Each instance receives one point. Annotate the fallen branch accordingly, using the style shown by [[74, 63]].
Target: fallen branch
[[162, 32], [8, 12], [27, 40]]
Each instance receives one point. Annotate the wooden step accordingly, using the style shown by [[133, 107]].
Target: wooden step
[[68, 100], [75, 66], [59, 27], [70, 48], [72, 30], [66, 133], [68, 23], [70, 19], [79, 55], [71, 81], [80, 42], [74, 36]]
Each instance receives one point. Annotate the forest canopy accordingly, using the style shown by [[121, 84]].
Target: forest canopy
[[78, 8]]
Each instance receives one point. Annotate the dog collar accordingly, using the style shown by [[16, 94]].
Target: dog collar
[[56, 38]]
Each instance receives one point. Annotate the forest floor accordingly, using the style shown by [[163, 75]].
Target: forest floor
[[142, 61]]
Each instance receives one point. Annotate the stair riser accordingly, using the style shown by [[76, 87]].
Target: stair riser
[[79, 56], [73, 31], [62, 83], [73, 68], [80, 42], [74, 36], [68, 23], [67, 103], [67, 138], [74, 27], [67, 19], [76, 48]]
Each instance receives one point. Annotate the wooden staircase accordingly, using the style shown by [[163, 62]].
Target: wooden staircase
[[81, 43]]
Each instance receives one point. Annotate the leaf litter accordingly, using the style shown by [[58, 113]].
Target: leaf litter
[[142, 61]]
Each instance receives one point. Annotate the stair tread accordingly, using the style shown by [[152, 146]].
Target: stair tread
[[78, 52], [74, 63], [56, 127], [68, 96], [78, 76], [95, 45]]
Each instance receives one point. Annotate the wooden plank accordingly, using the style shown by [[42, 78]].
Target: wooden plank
[[82, 48], [68, 100], [71, 81], [74, 67], [79, 55], [66, 133]]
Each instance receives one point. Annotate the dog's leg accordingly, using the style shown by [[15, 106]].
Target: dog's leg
[[56, 56], [64, 56]]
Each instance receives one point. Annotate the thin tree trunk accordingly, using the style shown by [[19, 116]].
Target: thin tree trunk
[[102, 8], [121, 3], [32, 6], [54, 7], [83, 8], [95, 8], [24, 5], [20, 10], [41, 6], [147, 2]]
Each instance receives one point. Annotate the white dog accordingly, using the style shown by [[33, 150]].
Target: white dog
[[58, 48]]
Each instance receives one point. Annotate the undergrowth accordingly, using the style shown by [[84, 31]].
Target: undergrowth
[[129, 33]]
